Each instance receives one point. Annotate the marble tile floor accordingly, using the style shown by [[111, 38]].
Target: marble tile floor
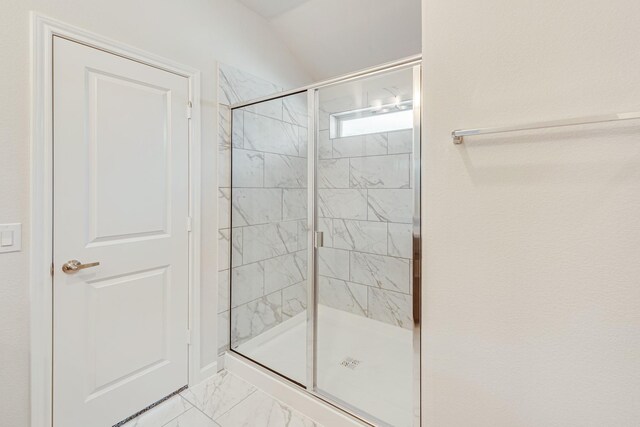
[[224, 400]]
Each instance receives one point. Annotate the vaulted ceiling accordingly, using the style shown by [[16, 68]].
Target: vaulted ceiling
[[333, 37], [271, 8]]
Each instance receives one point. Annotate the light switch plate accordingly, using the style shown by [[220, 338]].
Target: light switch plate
[[10, 238]]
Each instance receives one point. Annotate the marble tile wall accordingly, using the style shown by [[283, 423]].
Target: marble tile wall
[[234, 86], [365, 208], [265, 214], [269, 213], [364, 203]]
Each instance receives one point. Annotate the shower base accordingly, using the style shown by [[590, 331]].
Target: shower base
[[362, 363]]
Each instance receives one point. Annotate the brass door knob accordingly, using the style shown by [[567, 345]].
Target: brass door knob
[[75, 265]]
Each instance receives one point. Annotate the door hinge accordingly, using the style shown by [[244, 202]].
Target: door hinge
[[188, 336], [51, 270], [189, 109], [189, 224]]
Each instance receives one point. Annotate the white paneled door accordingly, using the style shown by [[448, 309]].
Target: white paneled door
[[121, 189]]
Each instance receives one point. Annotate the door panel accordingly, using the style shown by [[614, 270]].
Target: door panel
[[120, 199], [269, 195], [141, 299], [148, 139]]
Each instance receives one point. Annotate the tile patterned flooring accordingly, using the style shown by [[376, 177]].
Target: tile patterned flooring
[[222, 401]]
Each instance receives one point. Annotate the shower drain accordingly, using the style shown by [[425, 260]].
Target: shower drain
[[350, 362]]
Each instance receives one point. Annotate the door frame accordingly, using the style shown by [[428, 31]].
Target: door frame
[[43, 29]]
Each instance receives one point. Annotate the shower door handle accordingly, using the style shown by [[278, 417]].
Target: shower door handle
[[318, 239]]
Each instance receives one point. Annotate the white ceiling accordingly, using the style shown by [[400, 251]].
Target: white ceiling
[[269, 9], [333, 37]]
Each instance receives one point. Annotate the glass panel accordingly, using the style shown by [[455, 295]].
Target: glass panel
[[364, 269], [269, 234], [382, 119]]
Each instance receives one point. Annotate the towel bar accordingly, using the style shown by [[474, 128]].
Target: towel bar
[[458, 135]]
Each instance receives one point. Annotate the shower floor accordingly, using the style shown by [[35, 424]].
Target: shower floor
[[363, 363]]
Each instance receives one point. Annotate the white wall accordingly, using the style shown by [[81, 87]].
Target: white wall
[[333, 37], [196, 33], [531, 295]]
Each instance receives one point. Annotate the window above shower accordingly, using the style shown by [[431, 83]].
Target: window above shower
[[376, 119]]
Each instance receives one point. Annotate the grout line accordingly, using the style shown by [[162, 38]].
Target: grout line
[[266, 223], [355, 156], [281, 304], [241, 244], [186, 400], [360, 251], [266, 295], [349, 265], [239, 402], [193, 407], [297, 156], [367, 197], [276, 188], [364, 284], [282, 120], [338, 278], [373, 221]]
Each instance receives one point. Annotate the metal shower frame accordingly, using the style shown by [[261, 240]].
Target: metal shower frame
[[414, 63]]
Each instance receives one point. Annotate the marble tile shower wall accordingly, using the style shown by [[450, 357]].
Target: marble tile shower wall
[[365, 208], [268, 216], [266, 221]]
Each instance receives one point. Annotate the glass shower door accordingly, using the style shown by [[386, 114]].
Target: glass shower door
[[367, 131], [323, 289], [268, 282]]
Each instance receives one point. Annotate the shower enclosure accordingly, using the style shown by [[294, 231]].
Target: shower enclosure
[[325, 217]]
